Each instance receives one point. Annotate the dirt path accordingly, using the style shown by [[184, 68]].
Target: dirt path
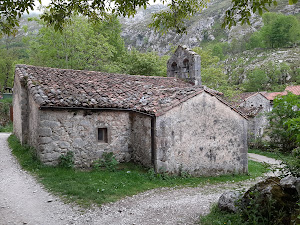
[[24, 201]]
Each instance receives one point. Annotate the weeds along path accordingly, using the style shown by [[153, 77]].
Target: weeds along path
[[24, 201]]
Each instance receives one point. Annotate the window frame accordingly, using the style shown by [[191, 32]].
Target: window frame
[[104, 131]]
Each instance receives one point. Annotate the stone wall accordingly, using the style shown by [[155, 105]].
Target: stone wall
[[33, 122], [257, 101], [140, 143], [257, 124], [77, 131], [202, 136], [185, 64]]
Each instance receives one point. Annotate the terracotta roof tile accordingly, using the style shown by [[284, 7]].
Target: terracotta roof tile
[[271, 95], [251, 111], [52, 87], [240, 98], [294, 89]]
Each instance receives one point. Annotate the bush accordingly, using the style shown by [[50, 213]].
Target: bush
[[108, 161], [283, 133], [66, 160]]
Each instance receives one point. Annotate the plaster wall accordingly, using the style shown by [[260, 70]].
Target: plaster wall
[[20, 103], [140, 143], [202, 136], [62, 131]]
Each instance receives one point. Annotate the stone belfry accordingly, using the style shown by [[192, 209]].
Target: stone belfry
[[185, 64]]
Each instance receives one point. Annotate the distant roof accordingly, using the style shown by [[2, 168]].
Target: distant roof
[[272, 95], [294, 89], [240, 98], [250, 111], [53, 87]]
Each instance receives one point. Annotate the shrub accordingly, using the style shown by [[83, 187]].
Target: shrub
[[66, 160], [108, 161]]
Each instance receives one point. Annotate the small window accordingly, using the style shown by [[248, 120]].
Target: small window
[[102, 135]]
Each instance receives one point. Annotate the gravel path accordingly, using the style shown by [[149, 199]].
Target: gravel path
[[24, 201]]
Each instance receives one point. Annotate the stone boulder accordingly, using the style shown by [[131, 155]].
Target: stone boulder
[[272, 200], [229, 201]]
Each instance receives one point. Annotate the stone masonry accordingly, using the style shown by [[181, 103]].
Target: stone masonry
[[162, 123], [185, 64]]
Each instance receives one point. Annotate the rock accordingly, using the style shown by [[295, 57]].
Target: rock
[[297, 185], [269, 200], [288, 182], [229, 201]]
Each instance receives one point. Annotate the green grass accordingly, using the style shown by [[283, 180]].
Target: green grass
[[218, 217], [8, 128], [6, 100], [98, 187]]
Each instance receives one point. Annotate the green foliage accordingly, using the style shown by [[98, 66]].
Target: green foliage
[[66, 160], [260, 210], [290, 161], [212, 73], [107, 161], [8, 128], [281, 119], [149, 64], [218, 217], [11, 11], [102, 186], [241, 11], [291, 166], [176, 14], [7, 63], [278, 31], [256, 81], [97, 47], [58, 13], [294, 128], [81, 45]]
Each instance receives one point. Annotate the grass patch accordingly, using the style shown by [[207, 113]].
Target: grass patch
[[216, 216], [272, 154], [98, 187], [8, 128]]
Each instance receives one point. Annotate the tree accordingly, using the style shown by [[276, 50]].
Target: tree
[[284, 122], [212, 74], [81, 45], [149, 64], [256, 80], [6, 69], [278, 31], [60, 11]]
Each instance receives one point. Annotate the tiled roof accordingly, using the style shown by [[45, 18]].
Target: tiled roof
[[251, 111], [240, 98], [52, 87], [294, 89], [271, 95]]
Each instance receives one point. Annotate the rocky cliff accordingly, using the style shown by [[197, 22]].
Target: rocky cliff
[[204, 26]]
